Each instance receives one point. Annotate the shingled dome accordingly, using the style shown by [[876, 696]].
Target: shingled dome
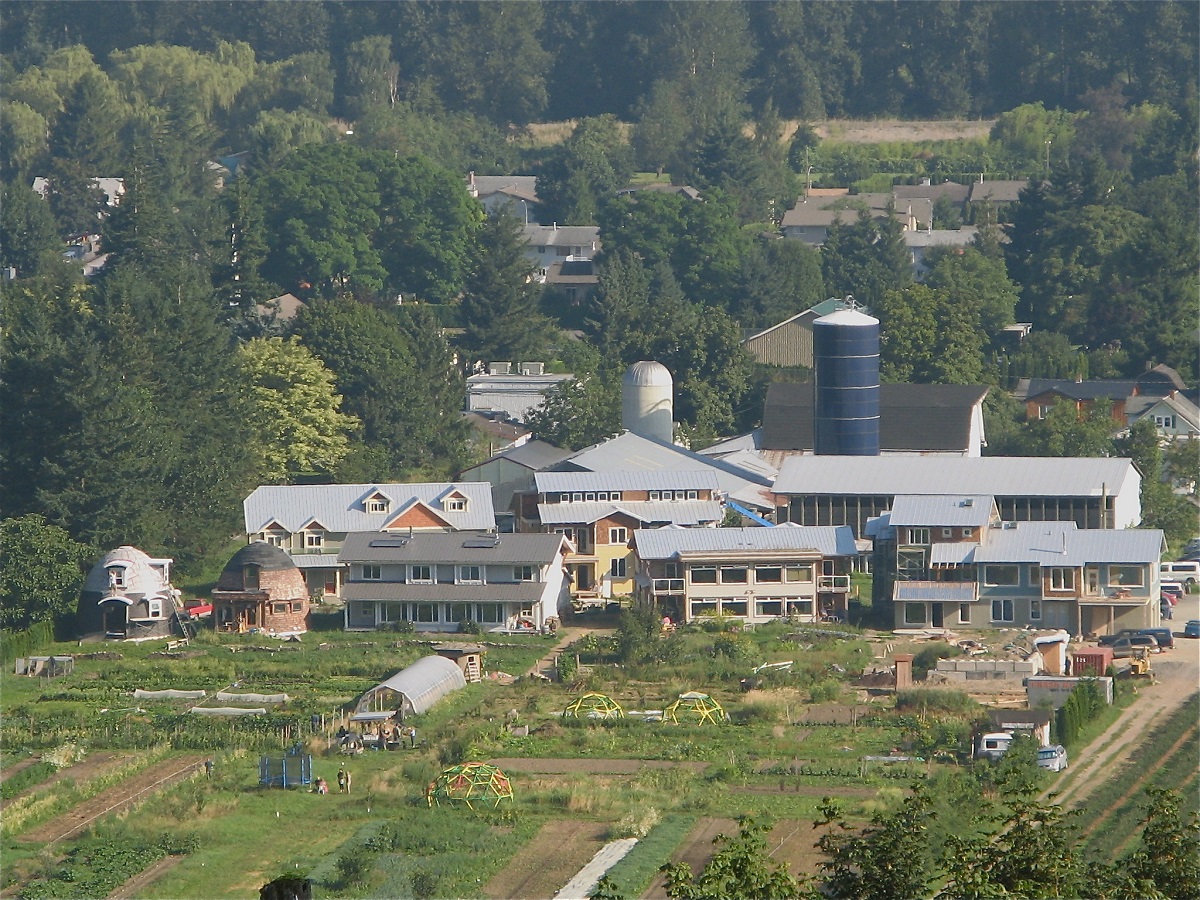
[[267, 558], [128, 594], [261, 588]]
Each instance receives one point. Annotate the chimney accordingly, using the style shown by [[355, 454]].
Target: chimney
[[904, 680]]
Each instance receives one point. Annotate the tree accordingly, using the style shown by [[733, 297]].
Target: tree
[[582, 411], [1161, 506], [290, 398], [741, 868], [927, 336], [28, 238], [979, 284], [500, 299], [591, 166], [372, 76], [866, 259], [1169, 853], [779, 278], [41, 571]]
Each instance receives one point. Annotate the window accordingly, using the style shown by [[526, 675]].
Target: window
[[393, 612], [1035, 610], [800, 607], [458, 612], [614, 495], [523, 573], [617, 567], [672, 570], [996, 576], [1164, 421], [470, 574], [704, 608], [314, 540], [280, 609], [735, 575], [914, 613], [1002, 610], [576, 497], [116, 577], [1035, 574], [589, 496], [297, 606], [275, 538], [968, 532], [772, 607], [964, 613], [377, 505], [768, 574], [489, 613], [947, 532], [422, 574], [155, 608], [426, 612], [1062, 579], [1126, 576], [250, 578], [693, 495], [733, 607], [703, 574], [456, 504], [1044, 409], [918, 535], [655, 495], [798, 574], [562, 251], [668, 495], [372, 573], [602, 495], [618, 535]]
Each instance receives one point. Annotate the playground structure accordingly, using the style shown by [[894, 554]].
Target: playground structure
[[695, 707], [293, 769], [594, 706], [470, 782]]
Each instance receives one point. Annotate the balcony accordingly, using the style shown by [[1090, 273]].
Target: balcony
[[834, 583]]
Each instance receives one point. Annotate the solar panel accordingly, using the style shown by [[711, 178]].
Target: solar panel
[[482, 543], [389, 542]]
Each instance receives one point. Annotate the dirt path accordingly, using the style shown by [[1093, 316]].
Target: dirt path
[[696, 849], [145, 877], [92, 766], [1177, 673], [567, 636], [9, 771], [120, 796], [559, 850], [544, 766]]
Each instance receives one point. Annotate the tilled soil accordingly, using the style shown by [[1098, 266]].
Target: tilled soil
[[559, 850]]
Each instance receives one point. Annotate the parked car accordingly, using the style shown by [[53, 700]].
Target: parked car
[[1166, 640], [1172, 589], [1192, 628], [993, 746], [1053, 758], [1185, 571], [1124, 647], [1107, 640]]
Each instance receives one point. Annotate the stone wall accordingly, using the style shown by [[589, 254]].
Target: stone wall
[[986, 669]]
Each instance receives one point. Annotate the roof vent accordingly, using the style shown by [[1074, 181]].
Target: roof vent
[[533, 368], [499, 368], [970, 501]]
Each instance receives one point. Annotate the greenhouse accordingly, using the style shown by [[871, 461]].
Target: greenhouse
[[468, 783], [413, 690], [695, 707], [594, 706]]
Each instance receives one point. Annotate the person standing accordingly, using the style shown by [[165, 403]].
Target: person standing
[[412, 737], [342, 780]]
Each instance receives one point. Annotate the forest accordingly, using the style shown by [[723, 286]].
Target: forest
[[320, 148]]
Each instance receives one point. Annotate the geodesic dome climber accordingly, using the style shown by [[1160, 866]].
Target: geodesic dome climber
[[694, 707], [468, 783], [594, 706]]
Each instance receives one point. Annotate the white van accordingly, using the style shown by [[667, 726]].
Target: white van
[[1185, 571], [993, 746]]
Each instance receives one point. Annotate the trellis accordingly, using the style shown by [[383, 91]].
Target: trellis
[[594, 706], [469, 782], [695, 707]]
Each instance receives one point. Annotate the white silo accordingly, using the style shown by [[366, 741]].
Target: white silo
[[647, 401]]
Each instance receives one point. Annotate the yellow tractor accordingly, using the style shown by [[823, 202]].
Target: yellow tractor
[[1139, 663]]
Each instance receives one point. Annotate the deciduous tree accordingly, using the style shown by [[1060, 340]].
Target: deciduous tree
[[41, 571]]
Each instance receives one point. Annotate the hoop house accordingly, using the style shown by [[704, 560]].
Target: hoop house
[[594, 706], [468, 783], [694, 707], [415, 689]]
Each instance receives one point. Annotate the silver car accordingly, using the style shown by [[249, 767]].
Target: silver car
[[1053, 758]]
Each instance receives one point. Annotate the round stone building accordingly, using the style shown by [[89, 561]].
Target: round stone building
[[261, 589]]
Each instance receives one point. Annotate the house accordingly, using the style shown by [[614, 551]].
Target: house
[[502, 582], [754, 574], [914, 419], [573, 279], [547, 244], [812, 217], [998, 194], [310, 521], [599, 512], [261, 589], [658, 187], [512, 395], [1049, 575], [128, 595], [512, 471], [1043, 394], [280, 310], [1177, 418], [789, 343], [1156, 392], [112, 188], [927, 194], [849, 490], [517, 193], [919, 243]]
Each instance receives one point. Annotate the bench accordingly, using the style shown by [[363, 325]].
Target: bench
[[175, 645]]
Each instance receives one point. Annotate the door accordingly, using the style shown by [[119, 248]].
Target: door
[[936, 615]]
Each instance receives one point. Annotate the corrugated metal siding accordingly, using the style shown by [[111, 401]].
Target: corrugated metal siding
[[789, 345]]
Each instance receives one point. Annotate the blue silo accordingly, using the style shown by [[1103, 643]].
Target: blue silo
[[846, 408]]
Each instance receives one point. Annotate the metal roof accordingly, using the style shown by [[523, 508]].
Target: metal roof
[[962, 554], [316, 560], [523, 592], [342, 507], [421, 685], [630, 452], [1000, 476], [673, 479], [534, 455], [676, 512], [1062, 544], [527, 549], [664, 543], [942, 509], [943, 591]]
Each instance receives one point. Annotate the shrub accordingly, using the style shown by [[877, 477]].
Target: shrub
[[928, 658], [825, 691], [941, 701], [466, 626]]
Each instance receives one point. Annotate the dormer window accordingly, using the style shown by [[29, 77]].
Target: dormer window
[[378, 504], [314, 540], [116, 576], [456, 504]]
